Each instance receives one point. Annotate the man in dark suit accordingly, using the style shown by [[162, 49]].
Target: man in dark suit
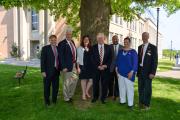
[[147, 65], [113, 89], [67, 51], [101, 60], [50, 69]]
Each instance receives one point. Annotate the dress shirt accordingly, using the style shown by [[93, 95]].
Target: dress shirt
[[144, 52]]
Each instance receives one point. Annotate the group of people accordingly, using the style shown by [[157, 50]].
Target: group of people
[[109, 70]]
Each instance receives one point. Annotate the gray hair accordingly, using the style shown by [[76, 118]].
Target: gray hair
[[69, 30]]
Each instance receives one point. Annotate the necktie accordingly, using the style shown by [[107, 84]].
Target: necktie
[[115, 49], [73, 52], [56, 57], [101, 55]]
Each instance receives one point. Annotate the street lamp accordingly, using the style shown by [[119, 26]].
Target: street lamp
[[157, 27]]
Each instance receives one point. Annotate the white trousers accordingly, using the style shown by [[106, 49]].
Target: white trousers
[[126, 88]]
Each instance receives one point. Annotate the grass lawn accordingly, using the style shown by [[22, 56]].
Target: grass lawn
[[26, 102], [165, 64]]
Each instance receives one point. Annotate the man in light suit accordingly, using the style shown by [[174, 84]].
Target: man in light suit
[[113, 89], [67, 51], [101, 61], [147, 65], [50, 69]]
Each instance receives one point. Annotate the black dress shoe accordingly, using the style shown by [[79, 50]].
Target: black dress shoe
[[103, 102], [54, 102], [71, 100], [47, 104], [93, 100]]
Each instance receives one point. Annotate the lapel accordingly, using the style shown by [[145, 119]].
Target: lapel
[[104, 52], [147, 51], [51, 51], [112, 49], [97, 52]]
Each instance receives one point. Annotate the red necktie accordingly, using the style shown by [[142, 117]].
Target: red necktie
[[73, 52], [101, 55], [56, 57]]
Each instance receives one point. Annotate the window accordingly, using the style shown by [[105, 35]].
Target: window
[[141, 27], [116, 19], [121, 39], [121, 21], [34, 20], [110, 37]]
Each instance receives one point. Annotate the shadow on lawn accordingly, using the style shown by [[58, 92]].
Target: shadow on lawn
[[167, 81]]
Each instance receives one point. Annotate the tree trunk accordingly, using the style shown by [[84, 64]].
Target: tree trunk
[[94, 16]]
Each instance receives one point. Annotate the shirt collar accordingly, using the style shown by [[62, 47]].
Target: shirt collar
[[99, 45], [146, 44]]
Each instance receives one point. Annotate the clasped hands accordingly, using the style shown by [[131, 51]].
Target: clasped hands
[[102, 67]]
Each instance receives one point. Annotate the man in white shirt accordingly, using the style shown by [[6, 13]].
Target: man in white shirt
[[147, 65]]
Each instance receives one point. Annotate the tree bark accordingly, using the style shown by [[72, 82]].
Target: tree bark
[[94, 17]]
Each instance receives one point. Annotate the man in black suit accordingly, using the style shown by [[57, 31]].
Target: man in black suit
[[67, 51], [101, 60], [147, 65], [50, 69], [113, 89]]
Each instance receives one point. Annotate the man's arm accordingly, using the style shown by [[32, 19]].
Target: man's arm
[[61, 49], [43, 59], [154, 60]]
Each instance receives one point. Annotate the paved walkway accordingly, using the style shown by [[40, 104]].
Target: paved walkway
[[175, 73], [170, 73], [13, 61]]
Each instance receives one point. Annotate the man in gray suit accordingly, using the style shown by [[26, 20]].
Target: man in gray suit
[[113, 81]]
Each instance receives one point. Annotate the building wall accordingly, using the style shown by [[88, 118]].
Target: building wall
[[31, 40], [134, 30], [6, 32]]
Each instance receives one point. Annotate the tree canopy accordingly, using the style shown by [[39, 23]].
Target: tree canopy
[[69, 9]]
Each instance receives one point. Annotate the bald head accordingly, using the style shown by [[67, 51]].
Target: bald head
[[115, 40], [145, 37]]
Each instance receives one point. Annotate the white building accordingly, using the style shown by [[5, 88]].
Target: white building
[[25, 27]]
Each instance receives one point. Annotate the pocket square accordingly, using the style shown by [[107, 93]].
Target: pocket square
[[149, 54]]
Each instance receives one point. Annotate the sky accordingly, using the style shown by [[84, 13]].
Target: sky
[[169, 27]]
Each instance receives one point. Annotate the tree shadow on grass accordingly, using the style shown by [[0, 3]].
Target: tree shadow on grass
[[167, 80]]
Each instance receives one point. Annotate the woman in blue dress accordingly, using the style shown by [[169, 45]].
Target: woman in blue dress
[[126, 67]]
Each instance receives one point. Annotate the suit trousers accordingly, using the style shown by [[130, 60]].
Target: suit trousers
[[113, 88], [69, 83], [126, 87], [100, 84], [145, 90], [54, 80]]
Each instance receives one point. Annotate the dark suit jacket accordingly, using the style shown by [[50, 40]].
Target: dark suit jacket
[[150, 61], [47, 60], [65, 55], [114, 56], [95, 57]]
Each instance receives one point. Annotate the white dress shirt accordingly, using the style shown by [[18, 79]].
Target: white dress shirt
[[144, 52], [80, 55], [99, 48]]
